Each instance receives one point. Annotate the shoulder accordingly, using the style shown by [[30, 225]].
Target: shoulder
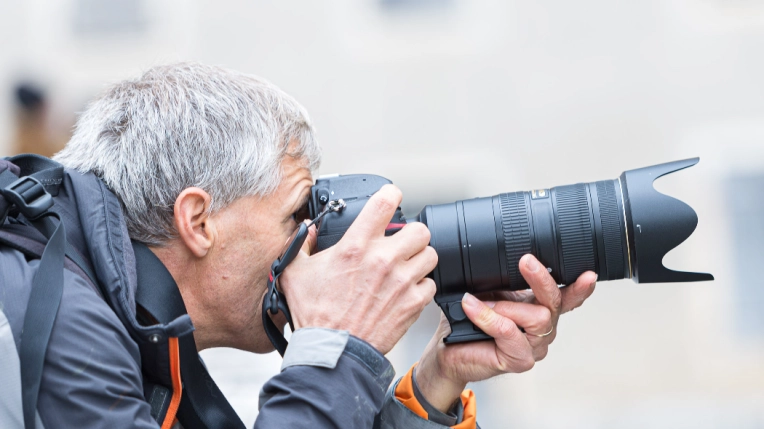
[[92, 372], [82, 311]]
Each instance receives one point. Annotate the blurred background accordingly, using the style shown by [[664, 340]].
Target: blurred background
[[453, 99]]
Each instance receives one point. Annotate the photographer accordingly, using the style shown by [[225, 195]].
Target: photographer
[[211, 170]]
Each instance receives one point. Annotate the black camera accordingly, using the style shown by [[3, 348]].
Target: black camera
[[618, 228]]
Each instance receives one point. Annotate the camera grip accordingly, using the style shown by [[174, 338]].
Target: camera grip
[[462, 328]]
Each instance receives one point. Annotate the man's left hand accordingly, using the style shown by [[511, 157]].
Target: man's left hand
[[444, 371]]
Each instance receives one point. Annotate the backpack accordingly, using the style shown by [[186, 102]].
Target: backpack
[[23, 181], [28, 186]]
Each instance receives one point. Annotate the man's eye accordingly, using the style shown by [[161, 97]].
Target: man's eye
[[302, 214]]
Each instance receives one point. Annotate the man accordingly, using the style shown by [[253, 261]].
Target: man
[[211, 169]]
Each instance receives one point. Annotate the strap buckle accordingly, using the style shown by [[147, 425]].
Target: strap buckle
[[29, 195]]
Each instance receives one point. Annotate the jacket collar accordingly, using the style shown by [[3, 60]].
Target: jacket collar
[[102, 236]]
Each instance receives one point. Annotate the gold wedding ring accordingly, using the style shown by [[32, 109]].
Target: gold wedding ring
[[542, 335]]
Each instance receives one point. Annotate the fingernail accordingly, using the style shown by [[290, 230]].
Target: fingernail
[[469, 301], [490, 304], [532, 264]]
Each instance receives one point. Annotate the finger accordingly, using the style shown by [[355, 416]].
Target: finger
[[410, 240], [376, 214], [417, 298], [501, 328], [421, 264], [575, 295], [309, 245], [535, 319], [543, 285], [427, 289], [311, 241], [507, 295]]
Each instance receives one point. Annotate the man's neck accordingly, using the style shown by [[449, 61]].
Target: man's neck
[[185, 274]]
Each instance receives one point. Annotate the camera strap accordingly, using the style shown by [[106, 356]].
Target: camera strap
[[274, 300]]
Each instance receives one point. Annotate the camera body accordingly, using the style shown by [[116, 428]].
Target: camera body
[[355, 190]]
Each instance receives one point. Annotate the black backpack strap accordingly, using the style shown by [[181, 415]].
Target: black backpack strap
[[48, 172], [9, 173], [33, 199], [202, 405], [44, 300], [32, 180], [24, 238], [44, 297]]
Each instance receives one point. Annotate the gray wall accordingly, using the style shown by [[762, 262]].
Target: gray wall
[[452, 99]]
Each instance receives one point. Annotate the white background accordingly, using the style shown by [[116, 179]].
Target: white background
[[454, 99]]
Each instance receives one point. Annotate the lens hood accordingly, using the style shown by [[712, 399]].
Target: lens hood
[[656, 223]]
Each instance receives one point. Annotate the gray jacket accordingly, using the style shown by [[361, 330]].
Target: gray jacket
[[92, 373]]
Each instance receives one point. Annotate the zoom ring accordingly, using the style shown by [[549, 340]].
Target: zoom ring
[[517, 235], [611, 231], [576, 235]]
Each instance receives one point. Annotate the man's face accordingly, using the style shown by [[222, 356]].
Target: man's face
[[251, 234]]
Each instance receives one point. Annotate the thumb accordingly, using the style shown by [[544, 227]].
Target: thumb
[[309, 245], [499, 327], [310, 242]]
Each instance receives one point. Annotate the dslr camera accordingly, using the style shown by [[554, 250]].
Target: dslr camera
[[619, 228]]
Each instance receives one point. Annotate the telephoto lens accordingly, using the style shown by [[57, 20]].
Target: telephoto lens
[[611, 227], [619, 228], [570, 229]]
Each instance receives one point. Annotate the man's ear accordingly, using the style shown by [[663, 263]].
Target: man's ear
[[192, 218]]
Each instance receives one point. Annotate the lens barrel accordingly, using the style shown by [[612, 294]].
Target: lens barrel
[[570, 229]]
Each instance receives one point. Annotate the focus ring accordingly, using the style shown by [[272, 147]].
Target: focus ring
[[611, 230], [576, 235], [515, 226]]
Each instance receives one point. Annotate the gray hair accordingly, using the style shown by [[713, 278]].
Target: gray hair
[[186, 125]]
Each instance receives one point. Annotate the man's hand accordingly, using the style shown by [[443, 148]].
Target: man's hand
[[444, 371], [368, 284]]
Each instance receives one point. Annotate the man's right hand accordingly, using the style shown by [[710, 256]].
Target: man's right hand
[[368, 284]]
